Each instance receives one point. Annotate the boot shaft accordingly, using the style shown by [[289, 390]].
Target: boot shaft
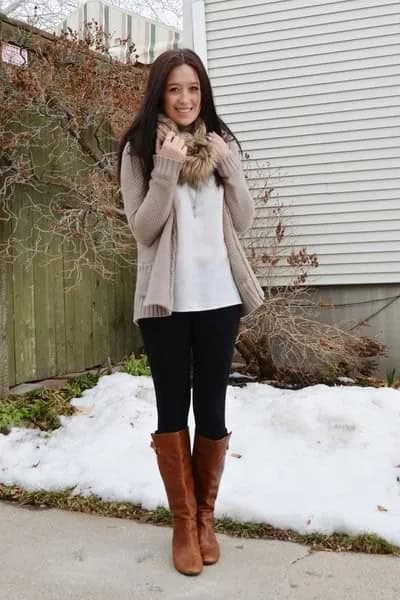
[[175, 466], [208, 463]]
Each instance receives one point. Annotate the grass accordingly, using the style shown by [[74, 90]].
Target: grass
[[366, 543], [136, 365], [390, 378], [66, 500], [76, 386], [42, 408]]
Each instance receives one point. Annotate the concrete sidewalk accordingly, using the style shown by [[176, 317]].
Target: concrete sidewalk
[[59, 555]]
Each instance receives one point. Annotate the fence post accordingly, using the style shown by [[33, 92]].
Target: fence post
[[4, 382]]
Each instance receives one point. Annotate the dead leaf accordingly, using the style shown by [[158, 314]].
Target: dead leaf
[[83, 410], [381, 508]]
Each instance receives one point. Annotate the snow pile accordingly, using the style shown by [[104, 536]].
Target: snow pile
[[318, 459]]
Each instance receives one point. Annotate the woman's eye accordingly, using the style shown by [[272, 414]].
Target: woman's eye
[[175, 90]]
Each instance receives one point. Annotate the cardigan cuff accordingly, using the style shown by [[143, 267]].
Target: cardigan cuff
[[168, 168], [228, 166]]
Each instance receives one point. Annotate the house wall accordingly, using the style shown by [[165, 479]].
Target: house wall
[[377, 306], [312, 91]]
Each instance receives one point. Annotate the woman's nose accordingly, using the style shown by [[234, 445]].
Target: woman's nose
[[184, 96]]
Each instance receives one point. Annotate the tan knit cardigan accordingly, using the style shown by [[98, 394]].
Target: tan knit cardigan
[[151, 217]]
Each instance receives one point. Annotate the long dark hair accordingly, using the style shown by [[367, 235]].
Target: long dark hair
[[142, 132]]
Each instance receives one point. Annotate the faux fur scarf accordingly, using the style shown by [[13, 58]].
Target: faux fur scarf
[[200, 160]]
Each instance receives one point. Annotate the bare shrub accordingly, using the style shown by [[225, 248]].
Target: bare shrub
[[285, 338]]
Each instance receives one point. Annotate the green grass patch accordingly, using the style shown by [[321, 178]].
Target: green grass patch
[[66, 500], [77, 385], [366, 543], [42, 408], [136, 365]]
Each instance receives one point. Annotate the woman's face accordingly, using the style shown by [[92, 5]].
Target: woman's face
[[182, 96]]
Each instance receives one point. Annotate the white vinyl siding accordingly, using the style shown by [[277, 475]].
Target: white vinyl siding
[[313, 89]]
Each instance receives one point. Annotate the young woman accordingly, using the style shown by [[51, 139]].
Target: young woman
[[186, 199]]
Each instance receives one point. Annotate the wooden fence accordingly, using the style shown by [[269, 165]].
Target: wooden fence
[[52, 328], [48, 326]]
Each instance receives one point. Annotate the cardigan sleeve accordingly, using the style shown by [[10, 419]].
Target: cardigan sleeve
[[147, 212], [237, 195]]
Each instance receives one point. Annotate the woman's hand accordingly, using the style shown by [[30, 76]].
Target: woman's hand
[[221, 148], [172, 147]]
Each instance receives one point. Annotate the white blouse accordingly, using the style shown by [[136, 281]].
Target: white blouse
[[203, 277]]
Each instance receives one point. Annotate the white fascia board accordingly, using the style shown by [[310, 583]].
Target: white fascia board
[[187, 35], [194, 28]]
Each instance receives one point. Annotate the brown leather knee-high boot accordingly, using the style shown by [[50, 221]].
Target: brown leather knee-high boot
[[208, 461], [175, 465]]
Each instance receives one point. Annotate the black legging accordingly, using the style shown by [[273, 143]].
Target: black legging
[[204, 341]]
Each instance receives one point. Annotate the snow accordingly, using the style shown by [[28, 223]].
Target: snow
[[321, 459]]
